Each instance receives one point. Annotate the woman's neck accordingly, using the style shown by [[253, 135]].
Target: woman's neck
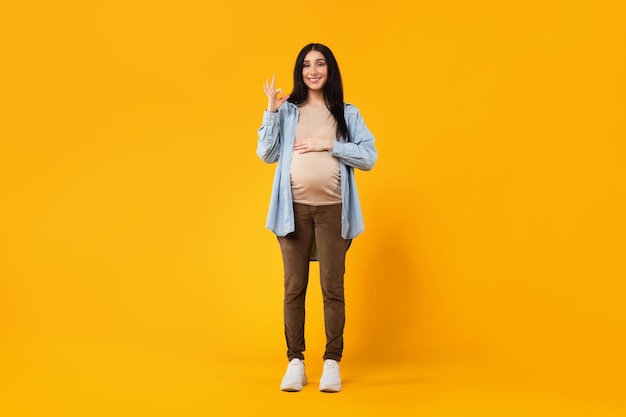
[[315, 98]]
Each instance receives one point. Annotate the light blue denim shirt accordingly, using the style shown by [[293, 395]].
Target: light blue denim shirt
[[276, 139]]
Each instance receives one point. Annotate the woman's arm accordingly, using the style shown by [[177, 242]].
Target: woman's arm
[[360, 152], [268, 145]]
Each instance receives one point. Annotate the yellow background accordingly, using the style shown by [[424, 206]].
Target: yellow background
[[137, 278]]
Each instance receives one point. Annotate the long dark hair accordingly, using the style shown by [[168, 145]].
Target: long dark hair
[[333, 89]]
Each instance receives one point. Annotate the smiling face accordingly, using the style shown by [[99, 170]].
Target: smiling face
[[315, 71]]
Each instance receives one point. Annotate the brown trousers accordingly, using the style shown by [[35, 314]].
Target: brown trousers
[[321, 224]]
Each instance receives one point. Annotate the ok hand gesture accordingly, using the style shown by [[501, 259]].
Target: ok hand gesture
[[273, 102]]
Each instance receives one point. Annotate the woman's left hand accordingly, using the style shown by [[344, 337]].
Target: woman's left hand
[[313, 144]]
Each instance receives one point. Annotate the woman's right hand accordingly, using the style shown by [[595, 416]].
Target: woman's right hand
[[273, 102]]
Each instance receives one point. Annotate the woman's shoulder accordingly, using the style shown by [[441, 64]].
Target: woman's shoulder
[[350, 110], [288, 107]]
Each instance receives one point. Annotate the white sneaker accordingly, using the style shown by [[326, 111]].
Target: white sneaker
[[294, 378], [331, 377]]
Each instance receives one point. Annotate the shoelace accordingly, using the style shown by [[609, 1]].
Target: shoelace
[[332, 369], [295, 368]]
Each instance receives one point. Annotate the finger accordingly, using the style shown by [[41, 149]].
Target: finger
[[273, 81]]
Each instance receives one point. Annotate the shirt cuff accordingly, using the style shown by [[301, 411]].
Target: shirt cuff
[[337, 149], [269, 118]]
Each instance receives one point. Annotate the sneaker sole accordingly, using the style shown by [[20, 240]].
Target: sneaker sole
[[294, 388], [331, 388], [290, 389]]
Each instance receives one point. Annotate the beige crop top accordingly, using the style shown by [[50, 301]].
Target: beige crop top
[[315, 175]]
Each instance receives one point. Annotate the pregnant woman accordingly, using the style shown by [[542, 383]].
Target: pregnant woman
[[317, 140]]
